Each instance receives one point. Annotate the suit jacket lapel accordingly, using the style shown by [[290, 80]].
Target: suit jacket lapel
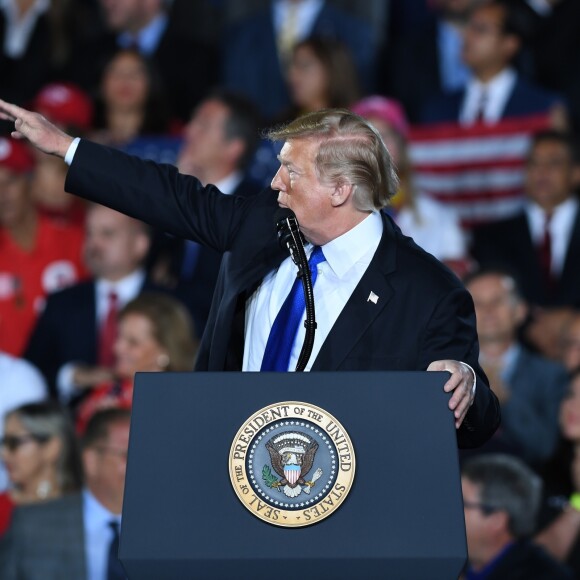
[[361, 309]]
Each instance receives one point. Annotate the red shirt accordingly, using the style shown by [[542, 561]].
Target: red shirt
[[26, 277], [6, 509]]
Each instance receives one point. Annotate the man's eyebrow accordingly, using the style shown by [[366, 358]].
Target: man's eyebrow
[[285, 162]]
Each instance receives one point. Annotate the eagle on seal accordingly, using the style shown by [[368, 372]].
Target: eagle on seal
[[292, 455]]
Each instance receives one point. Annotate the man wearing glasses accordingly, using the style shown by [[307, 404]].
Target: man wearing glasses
[[501, 499], [76, 536]]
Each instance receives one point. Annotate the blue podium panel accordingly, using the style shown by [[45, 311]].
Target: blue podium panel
[[403, 518]]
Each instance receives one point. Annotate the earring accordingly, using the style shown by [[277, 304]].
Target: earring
[[163, 360], [44, 488]]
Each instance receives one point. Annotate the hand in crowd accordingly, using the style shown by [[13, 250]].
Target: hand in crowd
[[86, 377], [34, 127], [461, 383]]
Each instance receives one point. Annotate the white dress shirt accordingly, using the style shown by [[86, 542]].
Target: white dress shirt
[[347, 259], [494, 93], [126, 289], [560, 227], [98, 536], [20, 29], [308, 11]]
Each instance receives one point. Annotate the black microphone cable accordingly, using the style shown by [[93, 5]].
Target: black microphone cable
[[291, 238]]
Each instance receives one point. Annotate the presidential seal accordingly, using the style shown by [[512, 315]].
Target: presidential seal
[[292, 464]]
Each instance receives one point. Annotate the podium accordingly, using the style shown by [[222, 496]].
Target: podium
[[402, 519]]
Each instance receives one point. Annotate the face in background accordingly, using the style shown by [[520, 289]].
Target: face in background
[[486, 47], [115, 244], [136, 348], [126, 14], [308, 80], [570, 411], [105, 465], [571, 345], [301, 190], [498, 311], [125, 82], [206, 143], [31, 461], [549, 174], [15, 200], [392, 140]]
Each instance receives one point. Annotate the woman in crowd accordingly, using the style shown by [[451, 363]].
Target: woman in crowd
[[131, 101], [321, 75], [431, 226], [560, 526], [155, 334], [40, 452]]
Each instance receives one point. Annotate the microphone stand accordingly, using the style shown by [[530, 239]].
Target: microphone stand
[[290, 236]]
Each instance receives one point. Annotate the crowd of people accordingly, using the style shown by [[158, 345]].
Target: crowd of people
[[477, 102]]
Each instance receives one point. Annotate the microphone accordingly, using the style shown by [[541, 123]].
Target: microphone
[[291, 238], [289, 234]]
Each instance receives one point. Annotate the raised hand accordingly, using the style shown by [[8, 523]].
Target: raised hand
[[36, 129]]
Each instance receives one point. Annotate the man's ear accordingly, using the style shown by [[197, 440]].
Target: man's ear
[[342, 193]]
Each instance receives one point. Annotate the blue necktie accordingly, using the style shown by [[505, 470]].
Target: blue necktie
[[285, 327], [115, 570]]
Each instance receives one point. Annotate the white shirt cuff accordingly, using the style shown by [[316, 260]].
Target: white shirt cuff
[[474, 380], [72, 149]]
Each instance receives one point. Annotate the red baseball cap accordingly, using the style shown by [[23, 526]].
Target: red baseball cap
[[15, 156], [65, 104]]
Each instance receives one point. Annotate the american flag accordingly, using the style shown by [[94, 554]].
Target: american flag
[[477, 171]]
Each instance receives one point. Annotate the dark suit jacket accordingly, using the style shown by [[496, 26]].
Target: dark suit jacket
[[46, 541], [423, 312], [526, 561], [251, 64], [526, 99], [508, 243], [196, 288], [530, 416], [66, 331]]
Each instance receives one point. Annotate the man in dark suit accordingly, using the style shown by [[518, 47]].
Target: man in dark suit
[[186, 66], [383, 303], [501, 499], [493, 38], [541, 244], [65, 342], [528, 386], [73, 537], [219, 143], [255, 61]]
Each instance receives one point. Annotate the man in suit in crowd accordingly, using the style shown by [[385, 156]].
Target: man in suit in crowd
[[529, 387], [76, 536], [257, 49], [541, 244], [425, 59], [493, 37], [501, 499], [186, 66], [219, 143], [383, 303], [68, 343]]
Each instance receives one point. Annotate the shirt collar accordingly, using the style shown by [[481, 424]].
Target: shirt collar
[[562, 212], [96, 515], [357, 245], [308, 11], [147, 38], [126, 288], [229, 183]]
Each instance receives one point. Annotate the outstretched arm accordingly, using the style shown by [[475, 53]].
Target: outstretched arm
[[32, 126]]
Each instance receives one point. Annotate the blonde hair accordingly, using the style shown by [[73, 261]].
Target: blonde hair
[[350, 150]]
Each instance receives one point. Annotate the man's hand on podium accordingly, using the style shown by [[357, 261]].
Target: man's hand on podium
[[461, 382]]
